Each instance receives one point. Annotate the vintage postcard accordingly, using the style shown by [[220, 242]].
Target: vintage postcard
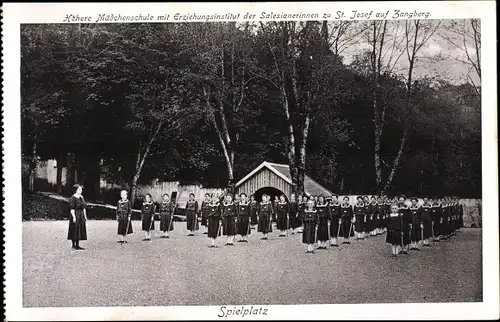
[[250, 161]]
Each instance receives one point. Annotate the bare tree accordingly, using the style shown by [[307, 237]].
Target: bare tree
[[465, 36], [417, 34]]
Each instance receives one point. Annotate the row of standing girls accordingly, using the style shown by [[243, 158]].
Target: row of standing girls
[[321, 220], [415, 225]]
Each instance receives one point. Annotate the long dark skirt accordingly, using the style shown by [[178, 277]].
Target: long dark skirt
[[406, 234], [359, 224], [322, 233], [191, 221], [427, 228], [445, 226], [264, 225], [282, 223], [345, 229], [416, 232], [253, 218], [309, 232], [166, 222], [437, 228], [334, 228], [294, 221], [146, 223], [229, 226], [393, 236], [243, 225], [122, 225], [204, 219], [461, 222], [368, 223], [77, 230], [213, 227]]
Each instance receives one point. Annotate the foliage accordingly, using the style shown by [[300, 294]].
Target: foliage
[[135, 96]]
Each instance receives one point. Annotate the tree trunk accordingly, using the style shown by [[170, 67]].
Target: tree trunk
[[70, 173], [395, 165], [301, 168], [60, 164], [34, 166], [133, 189], [141, 158]]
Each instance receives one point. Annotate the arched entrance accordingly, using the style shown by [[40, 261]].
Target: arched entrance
[[273, 192]]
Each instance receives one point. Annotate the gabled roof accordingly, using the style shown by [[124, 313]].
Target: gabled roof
[[311, 187]]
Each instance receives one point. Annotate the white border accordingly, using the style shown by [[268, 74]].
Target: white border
[[14, 14]]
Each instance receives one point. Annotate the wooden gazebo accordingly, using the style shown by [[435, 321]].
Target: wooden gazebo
[[276, 178]]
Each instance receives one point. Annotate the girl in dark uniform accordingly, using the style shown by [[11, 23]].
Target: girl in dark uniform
[[77, 229], [415, 229], [123, 216], [322, 233], [347, 220], [380, 216], [229, 222], [373, 211], [214, 220], [393, 236], [425, 215], [148, 219], [368, 215], [204, 211], [275, 204], [387, 204], [192, 210], [445, 218], [166, 210], [253, 212], [334, 213], [243, 212], [359, 214], [310, 219], [282, 209], [265, 213], [406, 223], [436, 219], [294, 222], [301, 207]]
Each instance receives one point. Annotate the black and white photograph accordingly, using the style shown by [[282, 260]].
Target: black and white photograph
[[249, 163]]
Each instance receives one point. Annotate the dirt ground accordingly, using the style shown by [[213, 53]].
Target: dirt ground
[[183, 271]]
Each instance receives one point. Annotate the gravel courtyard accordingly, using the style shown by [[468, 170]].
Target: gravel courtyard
[[182, 270]]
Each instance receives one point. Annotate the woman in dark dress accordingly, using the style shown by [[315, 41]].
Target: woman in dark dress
[[204, 211], [416, 232], [192, 210], [282, 209], [348, 220], [335, 217], [253, 212], [166, 210], [425, 216], [406, 223], [214, 220], [229, 222], [243, 215], [436, 219], [322, 234], [77, 221], [310, 219], [147, 214], [265, 214], [359, 213], [301, 207], [294, 222], [123, 215], [394, 237]]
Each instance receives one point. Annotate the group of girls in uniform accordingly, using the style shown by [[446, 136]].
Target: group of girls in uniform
[[415, 225], [320, 220]]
